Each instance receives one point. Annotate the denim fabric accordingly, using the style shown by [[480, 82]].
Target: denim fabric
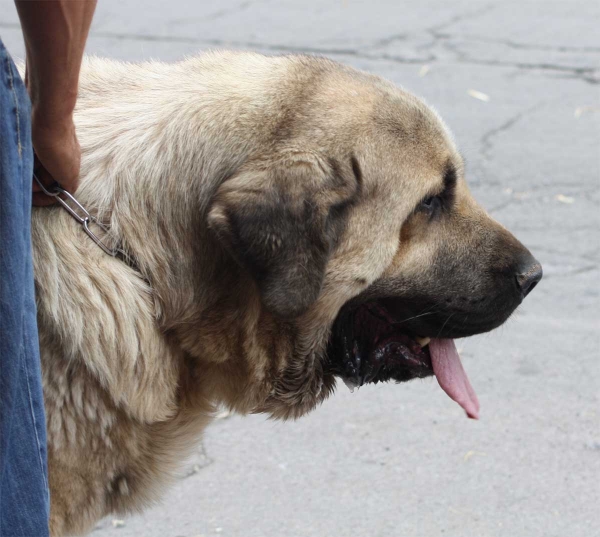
[[24, 500]]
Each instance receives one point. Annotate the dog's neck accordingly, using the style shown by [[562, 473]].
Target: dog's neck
[[175, 144]]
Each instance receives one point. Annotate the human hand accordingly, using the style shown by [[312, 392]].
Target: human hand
[[58, 155]]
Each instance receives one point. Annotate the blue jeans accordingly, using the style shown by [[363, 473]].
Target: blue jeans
[[24, 500]]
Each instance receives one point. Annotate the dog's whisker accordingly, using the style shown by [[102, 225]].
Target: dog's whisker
[[444, 325], [424, 312], [417, 316]]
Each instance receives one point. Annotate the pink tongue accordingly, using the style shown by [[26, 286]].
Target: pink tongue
[[451, 376]]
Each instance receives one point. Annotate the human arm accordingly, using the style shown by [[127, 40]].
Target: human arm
[[55, 32]]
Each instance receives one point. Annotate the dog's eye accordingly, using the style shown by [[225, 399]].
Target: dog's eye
[[431, 205]]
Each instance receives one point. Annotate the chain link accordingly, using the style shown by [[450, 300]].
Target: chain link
[[80, 213]]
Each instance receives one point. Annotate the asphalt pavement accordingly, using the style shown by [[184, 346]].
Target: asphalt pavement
[[518, 82]]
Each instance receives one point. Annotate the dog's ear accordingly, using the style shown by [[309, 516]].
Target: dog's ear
[[281, 221]]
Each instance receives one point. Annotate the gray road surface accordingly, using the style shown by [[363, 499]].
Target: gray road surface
[[403, 460]]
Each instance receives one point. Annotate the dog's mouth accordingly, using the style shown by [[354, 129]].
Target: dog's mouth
[[368, 345]]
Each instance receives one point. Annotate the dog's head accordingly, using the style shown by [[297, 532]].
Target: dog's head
[[361, 236]]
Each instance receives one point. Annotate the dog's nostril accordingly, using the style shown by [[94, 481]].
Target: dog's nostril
[[529, 278], [532, 286]]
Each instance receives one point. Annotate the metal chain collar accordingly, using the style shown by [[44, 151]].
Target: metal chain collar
[[81, 214]]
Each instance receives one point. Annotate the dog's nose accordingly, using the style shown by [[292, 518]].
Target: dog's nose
[[528, 275]]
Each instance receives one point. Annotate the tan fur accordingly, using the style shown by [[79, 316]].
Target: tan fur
[[135, 362]]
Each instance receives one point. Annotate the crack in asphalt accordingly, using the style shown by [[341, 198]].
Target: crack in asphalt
[[204, 461], [593, 256], [590, 75], [488, 136], [523, 46], [462, 17], [585, 74], [386, 41], [264, 46]]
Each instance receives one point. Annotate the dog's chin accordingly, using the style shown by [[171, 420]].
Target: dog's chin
[[367, 345]]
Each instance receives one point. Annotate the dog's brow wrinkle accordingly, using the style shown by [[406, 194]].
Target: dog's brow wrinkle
[[449, 184], [450, 176], [336, 171], [357, 171]]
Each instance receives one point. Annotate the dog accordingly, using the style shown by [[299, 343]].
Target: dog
[[287, 221]]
